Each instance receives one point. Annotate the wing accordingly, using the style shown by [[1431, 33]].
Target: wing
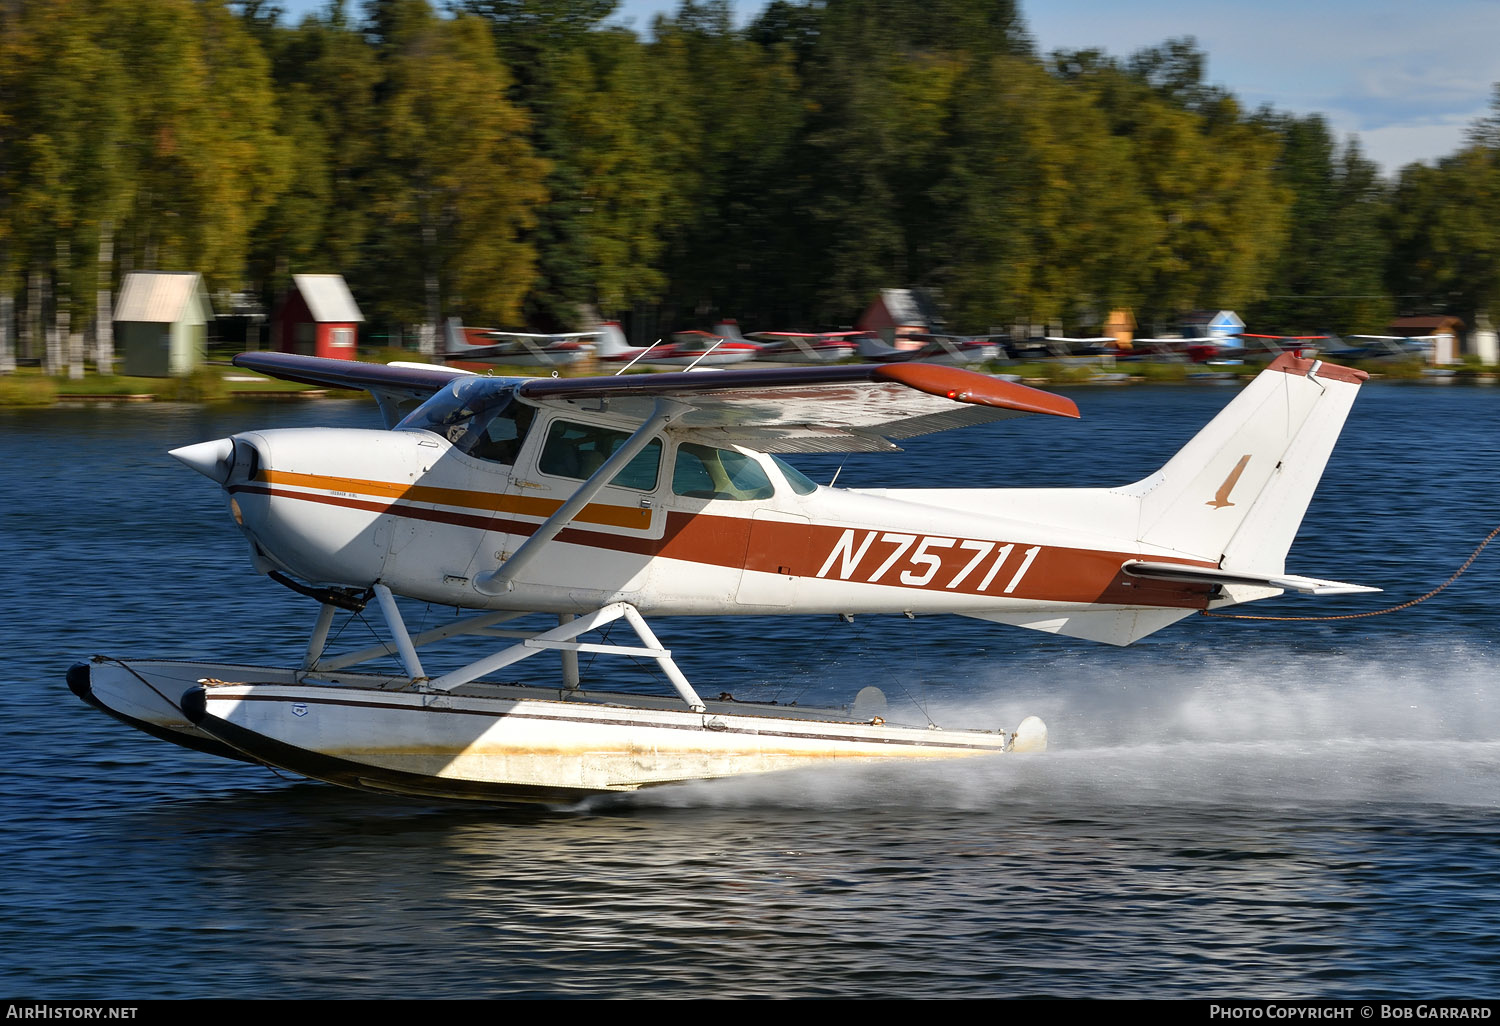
[[398, 387], [846, 408], [522, 336], [856, 408]]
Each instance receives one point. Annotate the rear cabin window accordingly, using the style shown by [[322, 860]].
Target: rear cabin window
[[703, 472], [577, 450]]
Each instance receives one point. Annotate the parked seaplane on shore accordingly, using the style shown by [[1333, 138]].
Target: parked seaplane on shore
[[794, 346], [808, 346], [963, 351], [688, 350], [613, 499], [514, 348]]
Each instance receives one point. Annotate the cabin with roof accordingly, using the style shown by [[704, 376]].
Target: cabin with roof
[[1443, 331], [161, 323], [1121, 327], [1221, 324], [1484, 341], [317, 317], [899, 312]]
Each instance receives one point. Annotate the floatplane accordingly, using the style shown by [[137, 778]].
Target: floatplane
[[515, 348], [930, 348], [609, 500], [807, 346], [688, 350]]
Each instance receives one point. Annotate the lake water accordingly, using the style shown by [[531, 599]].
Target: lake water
[[1228, 809]]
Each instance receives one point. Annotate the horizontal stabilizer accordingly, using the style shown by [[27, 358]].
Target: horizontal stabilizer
[[1213, 575]]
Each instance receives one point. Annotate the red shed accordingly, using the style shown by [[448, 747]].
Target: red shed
[[317, 317], [897, 313]]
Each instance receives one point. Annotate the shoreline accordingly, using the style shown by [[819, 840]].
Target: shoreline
[[43, 392]]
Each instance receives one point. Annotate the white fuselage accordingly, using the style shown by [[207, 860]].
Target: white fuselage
[[482, 498], [410, 510]]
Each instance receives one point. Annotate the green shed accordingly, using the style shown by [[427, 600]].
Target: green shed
[[161, 323]]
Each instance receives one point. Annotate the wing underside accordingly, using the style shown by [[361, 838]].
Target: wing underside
[[845, 408], [848, 408]]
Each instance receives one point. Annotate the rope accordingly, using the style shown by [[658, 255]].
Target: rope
[[829, 655], [1377, 612]]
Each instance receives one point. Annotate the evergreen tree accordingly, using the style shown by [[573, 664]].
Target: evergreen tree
[[1445, 257], [1329, 274], [457, 185], [326, 78]]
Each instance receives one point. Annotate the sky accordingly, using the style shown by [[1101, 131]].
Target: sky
[[1406, 78]]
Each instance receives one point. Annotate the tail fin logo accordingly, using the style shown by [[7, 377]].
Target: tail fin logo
[[1221, 497]]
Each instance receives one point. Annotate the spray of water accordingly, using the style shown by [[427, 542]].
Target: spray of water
[[1265, 729]]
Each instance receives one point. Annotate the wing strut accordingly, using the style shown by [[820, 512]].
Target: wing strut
[[500, 580]]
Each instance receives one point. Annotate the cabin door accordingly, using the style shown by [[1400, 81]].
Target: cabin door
[[775, 560]]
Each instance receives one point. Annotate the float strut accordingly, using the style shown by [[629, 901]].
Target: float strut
[[319, 639], [397, 626], [569, 657]]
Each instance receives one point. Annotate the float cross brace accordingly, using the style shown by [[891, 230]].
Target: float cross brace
[[527, 644]]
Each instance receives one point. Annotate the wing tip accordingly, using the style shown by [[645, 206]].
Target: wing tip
[[966, 386], [1289, 363]]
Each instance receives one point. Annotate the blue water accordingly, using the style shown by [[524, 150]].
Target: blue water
[[1251, 809]]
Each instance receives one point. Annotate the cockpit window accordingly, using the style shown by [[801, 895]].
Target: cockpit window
[[577, 450], [479, 416], [703, 472]]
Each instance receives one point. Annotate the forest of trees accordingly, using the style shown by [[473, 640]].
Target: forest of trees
[[526, 163]]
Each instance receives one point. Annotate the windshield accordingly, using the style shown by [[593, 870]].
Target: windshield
[[799, 481], [478, 415], [703, 472]]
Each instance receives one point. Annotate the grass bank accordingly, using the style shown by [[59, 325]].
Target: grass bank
[[29, 387]]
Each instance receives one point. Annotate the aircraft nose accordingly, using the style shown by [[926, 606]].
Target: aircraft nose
[[212, 459]]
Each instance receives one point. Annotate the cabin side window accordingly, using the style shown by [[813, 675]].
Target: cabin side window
[[577, 450], [703, 472], [500, 439]]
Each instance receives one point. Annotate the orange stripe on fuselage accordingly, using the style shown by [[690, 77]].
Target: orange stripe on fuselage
[[1055, 573], [794, 549], [518, 505]]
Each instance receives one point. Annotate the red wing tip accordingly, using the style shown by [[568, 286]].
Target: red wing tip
[[966, 386]]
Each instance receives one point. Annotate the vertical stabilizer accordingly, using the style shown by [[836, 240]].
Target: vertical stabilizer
[[1237, 492], [453, 337], [610, 340]]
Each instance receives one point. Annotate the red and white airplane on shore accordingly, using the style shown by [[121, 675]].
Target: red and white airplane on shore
[[514, 348], [808, 346], [688, 350], [601, 499]]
